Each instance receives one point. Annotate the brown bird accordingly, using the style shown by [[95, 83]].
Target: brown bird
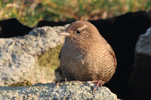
[[86, 55]]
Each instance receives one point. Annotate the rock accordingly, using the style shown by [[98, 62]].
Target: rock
[[19, 56], [140, 82], [121, 32], [69, 91]]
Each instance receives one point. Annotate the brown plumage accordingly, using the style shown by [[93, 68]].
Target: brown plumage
[[86, 55]]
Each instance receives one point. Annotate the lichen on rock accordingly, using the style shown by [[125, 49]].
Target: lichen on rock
[[24, 57], [44, 60]]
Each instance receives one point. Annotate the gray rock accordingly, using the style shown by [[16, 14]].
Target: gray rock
[[19, 56], [65, 91], [140, 82]]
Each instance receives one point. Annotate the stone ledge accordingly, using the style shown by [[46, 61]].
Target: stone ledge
[[72, 90]]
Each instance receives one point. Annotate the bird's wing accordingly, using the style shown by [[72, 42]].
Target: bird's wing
[[112, 53], [110, 50]]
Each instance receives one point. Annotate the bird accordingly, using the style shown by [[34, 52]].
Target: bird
[[86, 55]]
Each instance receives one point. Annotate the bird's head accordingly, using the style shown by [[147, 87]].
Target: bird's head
[[80, 31]]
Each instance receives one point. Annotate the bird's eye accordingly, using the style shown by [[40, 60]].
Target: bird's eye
[[78, 31]]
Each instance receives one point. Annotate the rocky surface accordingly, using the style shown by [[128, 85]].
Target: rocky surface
[[140, 82], [65, 91], [23, 61], [121, 32], [19, 56]]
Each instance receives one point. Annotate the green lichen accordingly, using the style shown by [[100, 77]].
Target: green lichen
[[50, 61], [22, 83], [50, 58]]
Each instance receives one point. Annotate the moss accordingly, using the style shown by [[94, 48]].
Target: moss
[[23, 83], [50, 58]]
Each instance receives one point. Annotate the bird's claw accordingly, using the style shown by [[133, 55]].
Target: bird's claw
[[98, 83]]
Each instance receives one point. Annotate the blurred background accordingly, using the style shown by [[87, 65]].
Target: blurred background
[[30, 12]]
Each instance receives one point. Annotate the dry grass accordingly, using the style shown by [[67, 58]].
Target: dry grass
[[30, 12]]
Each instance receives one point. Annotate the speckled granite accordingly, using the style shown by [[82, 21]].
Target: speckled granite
[[18, 55], [64, 91]]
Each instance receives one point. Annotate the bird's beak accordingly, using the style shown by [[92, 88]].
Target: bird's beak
[[64, 34]]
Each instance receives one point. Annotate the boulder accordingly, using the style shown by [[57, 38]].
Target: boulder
[[140, 81], [29, 58], [65, 91], [121, 32]]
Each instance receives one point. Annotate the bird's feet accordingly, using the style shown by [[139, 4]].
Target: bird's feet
[[65, 80], [58, 82], [100, 82]]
